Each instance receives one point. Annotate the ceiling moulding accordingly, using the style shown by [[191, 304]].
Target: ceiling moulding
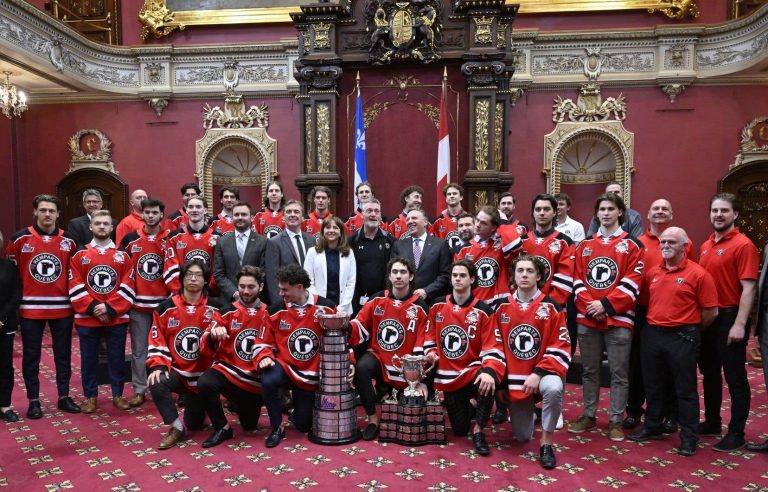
[[732, 52]]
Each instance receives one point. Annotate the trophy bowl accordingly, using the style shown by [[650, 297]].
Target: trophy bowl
[[333, 321], [412, 369]]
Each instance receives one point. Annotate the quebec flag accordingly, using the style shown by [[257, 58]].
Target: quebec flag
[[360, 167]]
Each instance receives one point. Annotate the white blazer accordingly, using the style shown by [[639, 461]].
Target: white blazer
[[317, 269]]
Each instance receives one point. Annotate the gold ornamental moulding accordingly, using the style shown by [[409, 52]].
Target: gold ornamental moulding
[[280, 10]]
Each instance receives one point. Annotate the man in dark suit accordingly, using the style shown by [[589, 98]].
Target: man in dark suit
[[79, 228], [762, 332], [236, 249], [289, 247], [429, 254]]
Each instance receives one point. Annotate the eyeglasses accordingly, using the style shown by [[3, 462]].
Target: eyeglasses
[[193, 275]]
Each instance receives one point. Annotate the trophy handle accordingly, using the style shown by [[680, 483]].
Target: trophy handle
[[400, 367]]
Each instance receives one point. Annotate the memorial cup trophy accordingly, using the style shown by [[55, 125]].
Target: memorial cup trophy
[[334, 419]]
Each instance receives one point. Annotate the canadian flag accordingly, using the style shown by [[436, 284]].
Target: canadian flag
[[443, 151]]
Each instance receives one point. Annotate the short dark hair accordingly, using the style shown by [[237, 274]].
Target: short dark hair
[[453, 185], [364, 183], [408, 265], [199, 262], [46, 198], [241, 203], [465, 215], [728, 197], [282, 199], [408, 190], [545, 197], [616, 200], [492, 212], [507, 194], [293, 274], [187, 186], [201, 198], [251, 271], [151, 203], [324, 189], [538, 264], [563, 197], [471, 268], [232, 189]]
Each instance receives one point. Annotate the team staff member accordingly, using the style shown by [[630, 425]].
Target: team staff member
[[313, 222], [174, 359], [682, 300], [101, 287], [154, 283], [287, 352], [732, 260], [10, 298], [445, 226], [269, 221], [537, 352], [230, 344], [223, 223], [394, 323], [42, 254], [462, 336], [607, 281]]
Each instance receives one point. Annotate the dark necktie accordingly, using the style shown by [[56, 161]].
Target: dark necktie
[[416, 252], [300, 247]]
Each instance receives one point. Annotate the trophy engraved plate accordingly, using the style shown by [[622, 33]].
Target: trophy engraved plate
[[334, 415]]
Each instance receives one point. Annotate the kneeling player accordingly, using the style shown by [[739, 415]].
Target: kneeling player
[[462, 336], [230, 343], [538, 352]]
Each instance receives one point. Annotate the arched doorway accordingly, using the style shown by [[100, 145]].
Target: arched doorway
[[749, 182]]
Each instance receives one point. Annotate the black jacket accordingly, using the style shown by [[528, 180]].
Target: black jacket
[[10, 295]]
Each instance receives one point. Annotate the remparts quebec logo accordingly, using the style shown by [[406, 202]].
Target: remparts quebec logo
[[602, 272], [102, 279], [187, 343], [45, 268], [454, 341]]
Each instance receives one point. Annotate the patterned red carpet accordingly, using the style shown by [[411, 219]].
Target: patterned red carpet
[[114, 450]]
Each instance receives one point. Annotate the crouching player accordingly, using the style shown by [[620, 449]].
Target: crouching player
[[230, 344], [537, 350], [461, 335]]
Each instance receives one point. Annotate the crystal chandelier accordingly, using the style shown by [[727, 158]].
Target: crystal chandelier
[[13, 102]]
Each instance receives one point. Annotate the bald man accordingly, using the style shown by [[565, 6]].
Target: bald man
[[682, 301], [134, 221]]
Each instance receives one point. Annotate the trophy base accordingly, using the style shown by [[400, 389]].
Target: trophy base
[[412, 425], [356, 436]]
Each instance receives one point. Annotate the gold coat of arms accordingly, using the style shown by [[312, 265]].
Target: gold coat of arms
[[403, 30]]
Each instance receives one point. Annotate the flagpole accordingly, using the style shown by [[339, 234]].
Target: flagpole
[[443, 148]]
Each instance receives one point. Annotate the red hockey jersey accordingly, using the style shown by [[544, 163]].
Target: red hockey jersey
[[398, 228], [222, 224], [535, 339], [313, 223], [101, 276], [233, 357], [466, 340], [556, 250], [175, 337], [269, 223], [608, 269], [445, 227], [43, 263], [354, 222], [292, 339], [184, 245], [491, 258], [153, 281], [394, 327], [178, 218]]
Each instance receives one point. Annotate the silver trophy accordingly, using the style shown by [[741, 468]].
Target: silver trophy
[[412, 369], [334, 418]]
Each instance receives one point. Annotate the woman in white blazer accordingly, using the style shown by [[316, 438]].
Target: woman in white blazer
[[331, 265]]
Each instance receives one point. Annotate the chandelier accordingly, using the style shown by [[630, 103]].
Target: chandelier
[[13, 102]]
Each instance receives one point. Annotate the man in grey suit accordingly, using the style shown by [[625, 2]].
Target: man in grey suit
[[236, 249], [289, 247], [431, 256], [79, 228]]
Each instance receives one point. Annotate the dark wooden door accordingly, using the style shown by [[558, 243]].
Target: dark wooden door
[[749, 182], [112, 187]]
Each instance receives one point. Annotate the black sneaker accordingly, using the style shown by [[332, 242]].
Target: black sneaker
[[708, 429], [547, 457], [731, 442], [500, 415], [275, 437], [481, 446]]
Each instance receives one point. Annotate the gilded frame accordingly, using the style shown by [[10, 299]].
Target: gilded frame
[[264, 15]]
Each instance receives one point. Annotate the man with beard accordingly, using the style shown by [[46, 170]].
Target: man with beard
[[101, 288], [372, 247], [235, 250], [507, 204], [355, 221], [732, 260], [269, 221], [228, 196], [188, 190], [446, 225], [174, 359], [147, 248], [230, 344], [321, 198], [410, 198]]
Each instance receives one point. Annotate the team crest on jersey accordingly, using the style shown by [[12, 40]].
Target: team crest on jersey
[[236, 325], [102, 279], [150, 267], [439, 318], [391, 335], [271, 231], [720, 252], [303, 344], [45, 268], [586, 252], [285, 325], [471, 318], [453, 239], [173, 323], [379, 311], [524, 342], [65, 246], [622, 247], [454, 341], [244, 343], [487, 272], [119, 257], [85, 260], [554, 247], [27, 249], [412, 313], [680, 280], [547, 268], [602, 272], [180, 245], [198, 254], [505, 319], [187, 343], [135, 249], [542, 312]]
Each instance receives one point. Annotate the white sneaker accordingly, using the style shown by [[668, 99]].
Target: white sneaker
[[559, 421]]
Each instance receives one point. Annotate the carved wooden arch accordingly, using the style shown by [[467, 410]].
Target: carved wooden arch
[[612, 133], [216, 140], [749, 182]]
